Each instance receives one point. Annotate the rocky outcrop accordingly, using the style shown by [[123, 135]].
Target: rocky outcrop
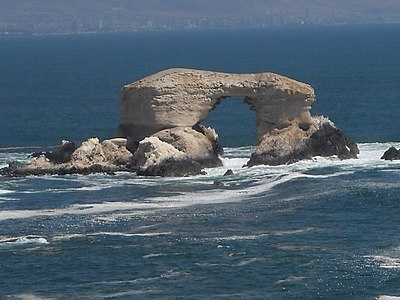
[[180, 151], [295, 142], [184, 97], [391, 154], [92, 156], [61, 155]]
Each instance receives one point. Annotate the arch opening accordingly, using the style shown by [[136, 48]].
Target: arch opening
[[234, 121]]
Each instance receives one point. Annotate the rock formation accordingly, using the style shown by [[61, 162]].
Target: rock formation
[[171, 104], [180, 151], [184, 97], [91, 156], [160, 133], [294, 143], [391, 154]]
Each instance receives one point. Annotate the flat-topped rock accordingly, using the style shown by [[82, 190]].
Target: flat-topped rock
[[170, 104], [184, 97]]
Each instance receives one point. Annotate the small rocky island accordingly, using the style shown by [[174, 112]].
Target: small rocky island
[[160, 132]]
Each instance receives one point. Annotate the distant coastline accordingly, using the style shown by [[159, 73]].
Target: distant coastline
[[205, 29], [48, 17]]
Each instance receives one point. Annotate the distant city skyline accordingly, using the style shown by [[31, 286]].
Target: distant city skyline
[[85, 16]]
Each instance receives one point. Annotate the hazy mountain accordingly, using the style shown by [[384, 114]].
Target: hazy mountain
[[77, 16]]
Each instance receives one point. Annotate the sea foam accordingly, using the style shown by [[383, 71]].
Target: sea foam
[[23, 240], [244, 184]]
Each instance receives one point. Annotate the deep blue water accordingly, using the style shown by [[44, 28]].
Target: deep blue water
[[318, 229], [50, 84]]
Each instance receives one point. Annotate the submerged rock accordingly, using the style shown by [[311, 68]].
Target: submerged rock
[[218, 183], [228, 172]]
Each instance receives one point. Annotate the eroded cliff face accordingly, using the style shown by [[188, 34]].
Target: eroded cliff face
[[184, 97]]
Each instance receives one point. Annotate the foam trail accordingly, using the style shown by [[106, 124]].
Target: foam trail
[[4, 192], [245, 183], [107, 233], [387, 262], [183, 200], [23, 240]]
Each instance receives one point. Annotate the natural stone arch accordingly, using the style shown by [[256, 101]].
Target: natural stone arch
[[161, 115], [184, 97]]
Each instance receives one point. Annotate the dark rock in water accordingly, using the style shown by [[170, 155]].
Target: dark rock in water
[[295, 143], [229, 172], [218, 183], [172, 167], [20, 171], [329, 141], [391, 154], [59, 156]]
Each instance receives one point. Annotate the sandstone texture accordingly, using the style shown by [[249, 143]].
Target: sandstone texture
[[180, 151], [171, 104], [184, 97]]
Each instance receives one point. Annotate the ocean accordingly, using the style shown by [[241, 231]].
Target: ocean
[[316, 229]]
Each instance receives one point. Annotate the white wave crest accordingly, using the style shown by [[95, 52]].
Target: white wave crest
[[244, 184], [387, 262], [23, 240], [63, 237], [4, 192], [26, 296]]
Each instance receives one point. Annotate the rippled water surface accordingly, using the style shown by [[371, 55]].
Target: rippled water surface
[[316, 229]]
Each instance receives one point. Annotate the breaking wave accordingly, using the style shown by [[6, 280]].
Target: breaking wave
[[181, 192]]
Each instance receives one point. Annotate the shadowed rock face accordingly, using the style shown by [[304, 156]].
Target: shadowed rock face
[[92, 156], [391, 154], [291, 144], [184, 97]]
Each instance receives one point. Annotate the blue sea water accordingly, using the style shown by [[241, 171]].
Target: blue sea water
[[317, 229]]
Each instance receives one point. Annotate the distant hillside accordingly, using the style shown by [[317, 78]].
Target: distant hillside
[[80, 16]]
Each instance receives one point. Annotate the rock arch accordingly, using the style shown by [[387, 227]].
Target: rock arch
[[161, 116], [184, 97]]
